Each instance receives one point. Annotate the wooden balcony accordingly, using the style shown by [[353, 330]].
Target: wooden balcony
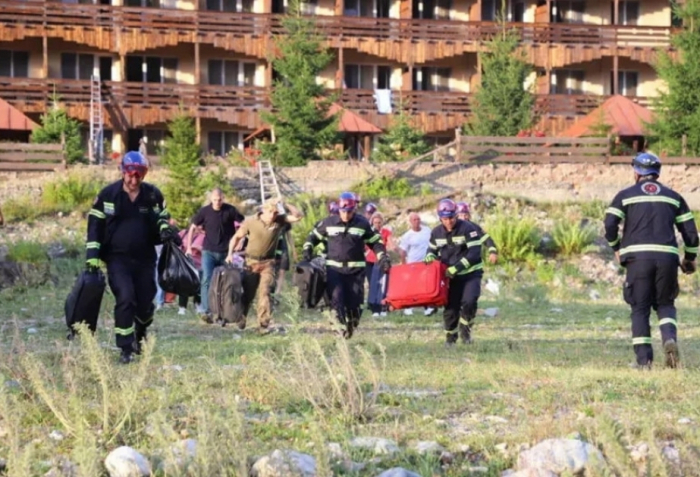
[[127, 29]]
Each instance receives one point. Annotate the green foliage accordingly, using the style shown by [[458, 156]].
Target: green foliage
[[314, 210], [401, 141], [55, 125], [517, 238], [571, 237], [300, 119], [501, 105], [26, 251], [594, 209], [677, 110], [386, 187]]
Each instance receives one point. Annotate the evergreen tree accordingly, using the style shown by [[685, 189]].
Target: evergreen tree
[[401, 141], [501, 105], [300, 121], [55, 125], [677, 110]]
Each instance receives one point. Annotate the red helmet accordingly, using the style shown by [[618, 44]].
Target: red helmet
[[463, 208], [447, 208], [347, 202], [133, 163]]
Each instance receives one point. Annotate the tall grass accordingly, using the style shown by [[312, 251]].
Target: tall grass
[[314, 210], [517, 238], [573, 237], [26, 251]]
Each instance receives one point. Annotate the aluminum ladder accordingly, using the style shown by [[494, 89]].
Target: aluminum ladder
[[268, 182], [96, 140]]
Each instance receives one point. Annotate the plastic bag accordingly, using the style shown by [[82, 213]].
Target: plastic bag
[[176, 272]]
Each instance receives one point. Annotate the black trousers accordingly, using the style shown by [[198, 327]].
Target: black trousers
[[134, 287], [346, 291], [462, 300], [651, 284]]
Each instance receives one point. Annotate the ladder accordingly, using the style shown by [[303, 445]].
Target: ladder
[[268, 182], [96, 140]]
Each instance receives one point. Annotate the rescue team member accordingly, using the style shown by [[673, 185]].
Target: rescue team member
[[346, 235], [370, 258], [457, 244], [263, 231], [649, 252], [413, 247], [127, 220], [370, 210], [218, 221], [464, 213]]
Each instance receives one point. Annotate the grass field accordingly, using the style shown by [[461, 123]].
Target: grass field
[[541, 368]]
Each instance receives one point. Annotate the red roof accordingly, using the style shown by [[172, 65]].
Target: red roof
[[626, 117], [12, 118]]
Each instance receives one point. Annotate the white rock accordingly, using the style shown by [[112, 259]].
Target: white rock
[[336, 451], [594, 295], [493, 287], [32, 331], [56, 435], [491, 312], [556, 310], [640, 452], [378, 445], [684, 420], [398, 472], [428, 447], [180, 455], [126, 462], [478, 470], [531, 473], [562, 455], [285, 464], [497, 419], [671, 454]]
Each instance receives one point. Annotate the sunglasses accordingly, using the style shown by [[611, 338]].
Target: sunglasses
[[133, 170]]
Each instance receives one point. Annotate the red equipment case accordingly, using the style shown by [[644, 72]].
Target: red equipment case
[[417, 284]]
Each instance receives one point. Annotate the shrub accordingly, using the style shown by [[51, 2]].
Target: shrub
[[385, 187], [594, 209], [73, 192], [517, 238], [27, 252], [572, 237], [314, 210]]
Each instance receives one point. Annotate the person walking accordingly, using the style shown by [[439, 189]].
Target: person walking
[[377, 283], [413, 247], [649, 252]]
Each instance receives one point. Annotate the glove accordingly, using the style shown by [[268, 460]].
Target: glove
[[688, 266], [384, 264], [307, 254], [167, 234], [429, 258], [92, 265], [451, 272]]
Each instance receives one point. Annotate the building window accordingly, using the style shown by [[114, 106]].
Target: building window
[[151, 69], [76, 66], [627, 82], [367, 77], [222, 142], [245, 6], [431, 79], [14, 64], [142, 3], [567, 82], [568, 11], [231, 73], [627, 13]]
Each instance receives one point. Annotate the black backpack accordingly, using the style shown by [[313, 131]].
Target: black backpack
[[84, 301]]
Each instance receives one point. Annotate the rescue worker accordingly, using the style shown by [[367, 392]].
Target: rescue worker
[[346, 235], [457, 244], [465, 213], [649, 252], [127, 220], [370, 259], [370, 210]]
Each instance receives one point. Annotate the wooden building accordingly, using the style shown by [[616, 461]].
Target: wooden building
[[211, 58]]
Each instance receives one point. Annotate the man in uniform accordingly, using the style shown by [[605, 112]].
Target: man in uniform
[[457, 244], [648, 250], [464, 213], [346, 235], [263, 231], [127, 220]]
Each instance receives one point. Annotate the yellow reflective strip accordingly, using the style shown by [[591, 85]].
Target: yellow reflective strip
[[334, 229], [493, 250], [373, 239], [432, 246], [684, 218], [691, 249], [642, 340], [92, 245], [464, 322], [308, 245], [163, 226], [668, 321], [485, 238], [453, 332], [318, 234], [458, 240], [124, 331], [473, 268], [356, 231], [614, 242], [97, 213], [465, 261], [335, 263], [645, 199], [474, 243], [441, 241], [649, 248], [615, 211]]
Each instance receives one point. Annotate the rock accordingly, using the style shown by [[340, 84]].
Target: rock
[[56, 250], [639, 453], [493, 287], [478, 470], [531, 473], [126, 462], [398, 472], [378, 445], [594, 295], [336, 451], [562, 455], [12, 384], [179, 456], [491, 312], [32, 331], [447, 458], [428, 447], [684, 420], [285, 464], [671, 455], [56, 435], [64, 468]]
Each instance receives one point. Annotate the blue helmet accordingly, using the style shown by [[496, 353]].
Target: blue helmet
[[333, 208], [133, 162], [447, 208], [347, 202], [646, 164]]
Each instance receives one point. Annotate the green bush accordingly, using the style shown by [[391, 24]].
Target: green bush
[[27, 252], [314, 210], [594, 209], [72, 193], [516, 238], [385, 187], [571, 237]]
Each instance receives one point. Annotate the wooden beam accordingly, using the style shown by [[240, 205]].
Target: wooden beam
[[45, 56], [615, 85], [197, 82], [368, 147], [340, 75], [616, 12]]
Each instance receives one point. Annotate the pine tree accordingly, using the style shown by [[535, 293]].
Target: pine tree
[[677, 110], [56, 125], [300, 121], [501, 105], [401, 141]]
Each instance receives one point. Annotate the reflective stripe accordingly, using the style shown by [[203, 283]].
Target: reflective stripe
[[485, 238], [432, 246], [373, 239], [691, 249], [335, 263], [452, 332], [668, 321], [642, 340], [124, 331], [649, 248], [356, 231], [651, 198], [318, 234], [97, 213], [93, 245], [493, 250], [431, 255], [108, 207], [615, 211], [462, 321], [332, 229], [474, 243], [614, 242], [457, 240], [465, 262], [473, 268], [164, 225], [441, 241], [278, 252], [452, 270], [380, 255], [308, 245], [684, 218]]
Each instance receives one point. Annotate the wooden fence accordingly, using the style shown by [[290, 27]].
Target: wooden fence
[[31, 157]]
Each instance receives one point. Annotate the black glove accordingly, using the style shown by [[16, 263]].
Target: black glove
[[307, 254], [384, 264], [167, 234], [688, 266]]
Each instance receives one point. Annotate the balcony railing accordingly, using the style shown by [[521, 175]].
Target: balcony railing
[[54, 14]]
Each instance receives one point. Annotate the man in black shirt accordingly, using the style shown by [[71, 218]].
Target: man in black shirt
[[218, 220]]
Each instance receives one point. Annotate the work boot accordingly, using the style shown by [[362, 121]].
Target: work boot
[[465, 334], [139, 338], [450, 339], [671, 352], [126, 356], [206, 318], [349, 330]]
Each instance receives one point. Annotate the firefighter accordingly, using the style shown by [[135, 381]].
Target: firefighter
[[649, 252], [457, 244], [346, 235], [370, 210], [465, 213], [127, 220]]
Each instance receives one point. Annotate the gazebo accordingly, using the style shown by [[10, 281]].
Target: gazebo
[[14, 125]]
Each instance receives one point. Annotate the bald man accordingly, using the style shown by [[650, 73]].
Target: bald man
[[413, 246]]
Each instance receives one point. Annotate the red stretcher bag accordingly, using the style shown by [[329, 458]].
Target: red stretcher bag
[[417, 284]]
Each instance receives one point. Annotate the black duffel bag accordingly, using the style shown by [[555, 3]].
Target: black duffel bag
[[84, 301], [176, 271]]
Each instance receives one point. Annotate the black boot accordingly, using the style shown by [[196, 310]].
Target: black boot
[[126, 356], [450, 339], [465, 334], [139, 338]]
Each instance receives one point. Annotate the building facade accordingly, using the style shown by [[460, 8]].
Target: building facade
[[148, 58]]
